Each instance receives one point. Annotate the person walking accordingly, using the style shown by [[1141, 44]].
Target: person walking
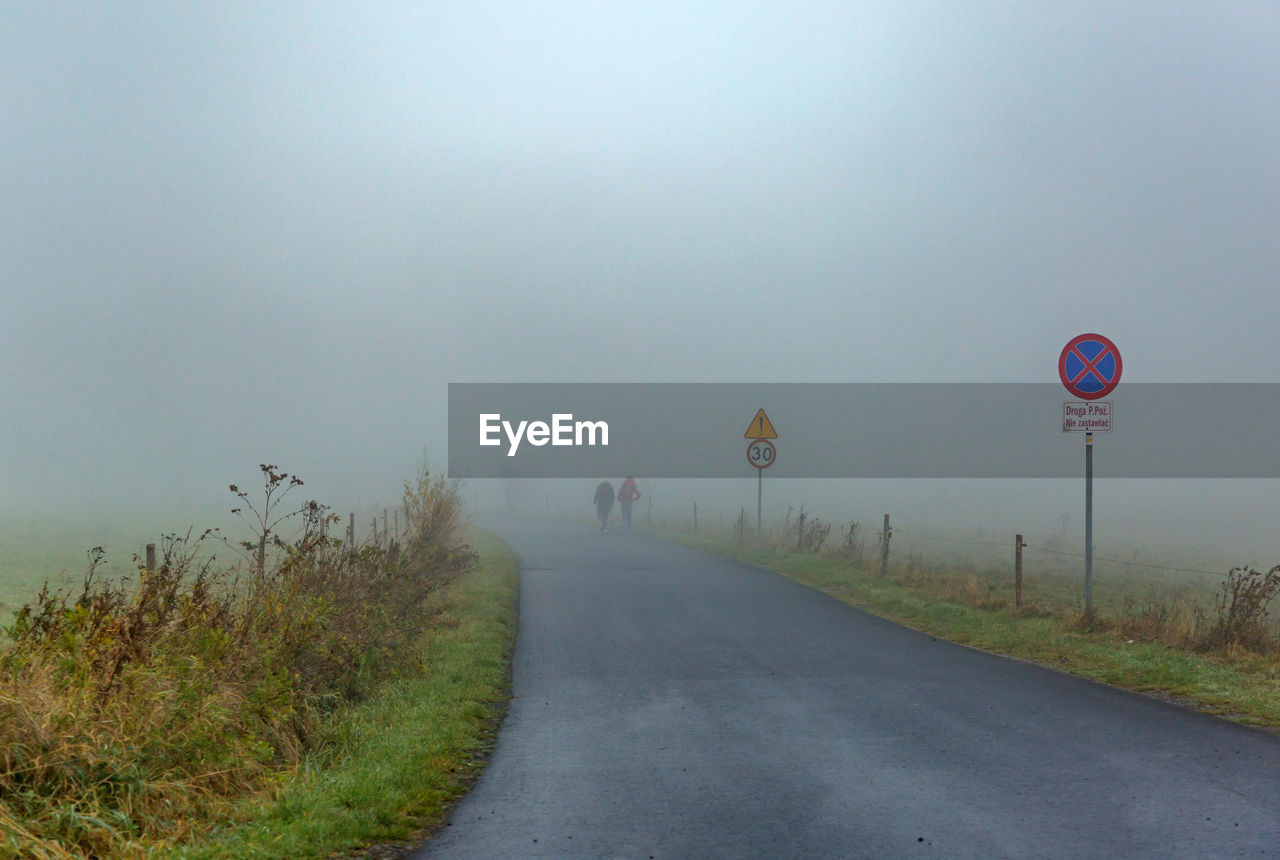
[[627, 495], [604, 503]]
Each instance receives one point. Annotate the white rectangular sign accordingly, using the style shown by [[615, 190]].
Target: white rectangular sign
[[1080, 416]]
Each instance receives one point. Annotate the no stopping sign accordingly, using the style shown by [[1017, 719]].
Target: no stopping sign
[[1090, 366]]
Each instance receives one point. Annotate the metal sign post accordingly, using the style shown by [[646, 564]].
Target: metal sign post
[[1088, 525], [762, 455]]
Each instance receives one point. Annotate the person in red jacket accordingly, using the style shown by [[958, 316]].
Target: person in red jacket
[[627, 495]]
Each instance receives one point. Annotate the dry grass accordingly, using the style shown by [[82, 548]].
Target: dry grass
[[1232, 618], [133, 714]]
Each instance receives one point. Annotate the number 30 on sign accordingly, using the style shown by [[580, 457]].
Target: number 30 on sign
[[761, 453]]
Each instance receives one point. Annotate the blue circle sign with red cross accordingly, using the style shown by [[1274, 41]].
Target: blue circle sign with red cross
[[1090, 366]]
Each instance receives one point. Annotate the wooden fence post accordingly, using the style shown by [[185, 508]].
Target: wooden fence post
[[884, 547], [1017, 571], [151, 556]]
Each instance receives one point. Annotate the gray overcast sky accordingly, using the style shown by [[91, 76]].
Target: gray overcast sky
[[241, 232]]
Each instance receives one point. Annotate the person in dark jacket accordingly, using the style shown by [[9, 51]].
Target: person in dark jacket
[[627, 495], [604, 503]]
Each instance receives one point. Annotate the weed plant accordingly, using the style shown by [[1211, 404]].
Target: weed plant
[[133, 714]]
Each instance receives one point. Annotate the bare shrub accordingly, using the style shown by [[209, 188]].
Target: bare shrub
[[815, 535], [854, 546], [1243, 605], [434, 509]]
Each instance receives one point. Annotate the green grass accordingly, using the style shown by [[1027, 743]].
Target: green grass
[[36, 550], [974, 609], [391, 767]]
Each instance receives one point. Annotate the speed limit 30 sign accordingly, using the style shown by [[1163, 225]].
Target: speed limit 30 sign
[[761, 453]]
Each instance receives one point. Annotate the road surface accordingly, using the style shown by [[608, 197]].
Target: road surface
[[672, 704]]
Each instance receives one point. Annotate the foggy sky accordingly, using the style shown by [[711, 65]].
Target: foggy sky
[[233, 234]]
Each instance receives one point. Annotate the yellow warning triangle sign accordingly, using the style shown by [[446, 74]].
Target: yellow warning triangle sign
[[760, 428]]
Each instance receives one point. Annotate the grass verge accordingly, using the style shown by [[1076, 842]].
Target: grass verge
[[390, 767], [1232, 682], [136, 714]]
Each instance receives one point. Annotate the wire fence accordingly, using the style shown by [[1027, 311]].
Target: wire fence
[[786, 531], [1218, 574]]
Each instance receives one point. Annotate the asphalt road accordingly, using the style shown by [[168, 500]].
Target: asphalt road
[[672, 704]]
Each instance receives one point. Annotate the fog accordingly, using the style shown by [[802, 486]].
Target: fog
[[274, 233]]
